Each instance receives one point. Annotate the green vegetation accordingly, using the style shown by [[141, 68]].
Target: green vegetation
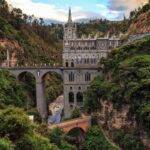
[[126, 81], [96, 140], [38, 42], [34, 142], [128, 140], [16, 126], [53, 86], [75, 113], [33, 42], [5, 144], [137, 12], [57, 136], [11, 93]]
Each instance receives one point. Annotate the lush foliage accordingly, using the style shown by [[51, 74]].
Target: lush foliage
[[57, 136], [96, 140], [126, 81], [33, 43], [6, 144], [16, 127], [14, 123], [128, 140], [11, 93], [34, 142], [75, 113]]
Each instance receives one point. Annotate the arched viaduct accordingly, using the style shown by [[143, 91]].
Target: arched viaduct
[[38, 73]]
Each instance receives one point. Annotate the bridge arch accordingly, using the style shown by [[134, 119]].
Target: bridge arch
[[48, 79], [38, 73], [75, 130], [76, 136], [29, 82]]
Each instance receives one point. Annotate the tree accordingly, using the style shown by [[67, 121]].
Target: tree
[[5, 144], [14, 123], [11, 92], [128, 140], [34, 142], [75, 113], [97, 91], [96, 140], [56, 136]]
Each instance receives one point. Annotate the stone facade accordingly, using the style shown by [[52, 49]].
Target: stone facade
[[83, 56]]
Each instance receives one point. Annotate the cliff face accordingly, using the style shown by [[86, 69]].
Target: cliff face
[[113, 118], [9, 49], [141, 24]]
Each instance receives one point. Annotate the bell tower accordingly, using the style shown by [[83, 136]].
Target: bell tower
[[69, 28]]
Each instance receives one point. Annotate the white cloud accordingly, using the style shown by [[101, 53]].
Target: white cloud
[[107, 13], [41, 10], [126, 5], [49, 11]]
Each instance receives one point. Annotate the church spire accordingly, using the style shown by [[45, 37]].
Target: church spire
[[70, 16]]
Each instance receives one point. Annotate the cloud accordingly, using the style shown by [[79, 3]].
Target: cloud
[[49, 11], [40, 9], [108, 13], [125, 5]]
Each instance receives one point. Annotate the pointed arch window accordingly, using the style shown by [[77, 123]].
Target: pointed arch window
[[71, 97], [71, 76], [79, 97], [87, 76], [67, 65], [72, 63]]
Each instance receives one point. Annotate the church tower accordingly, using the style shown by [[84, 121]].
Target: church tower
[[69, 28]]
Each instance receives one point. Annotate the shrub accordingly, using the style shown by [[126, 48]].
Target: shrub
[[56, 136], [75, 113], [96, 140], [14, 123], [128, 141], [6, 145], [34, 142]]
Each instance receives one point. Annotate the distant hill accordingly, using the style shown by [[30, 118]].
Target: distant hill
[[37, 42]]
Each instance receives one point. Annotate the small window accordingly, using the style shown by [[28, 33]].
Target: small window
[[72, 64], [71, 97], [67, 64]]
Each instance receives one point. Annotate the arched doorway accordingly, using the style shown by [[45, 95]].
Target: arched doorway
[[28, 81]]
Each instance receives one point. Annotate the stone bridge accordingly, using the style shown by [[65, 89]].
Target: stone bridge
[[39, 73], [82, 123]]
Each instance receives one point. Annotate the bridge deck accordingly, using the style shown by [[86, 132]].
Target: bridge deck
[[72, 123]]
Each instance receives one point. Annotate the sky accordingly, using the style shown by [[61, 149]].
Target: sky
[[81, 9]]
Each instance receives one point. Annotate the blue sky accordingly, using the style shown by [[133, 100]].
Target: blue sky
[[81, 9]]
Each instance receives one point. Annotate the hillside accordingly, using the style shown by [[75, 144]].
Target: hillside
[[37, 43], [140, 21], [121, 95]]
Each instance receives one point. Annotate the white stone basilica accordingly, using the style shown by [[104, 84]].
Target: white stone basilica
[[83, 56]]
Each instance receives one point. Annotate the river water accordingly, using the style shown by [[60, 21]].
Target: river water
[[56, 108]]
